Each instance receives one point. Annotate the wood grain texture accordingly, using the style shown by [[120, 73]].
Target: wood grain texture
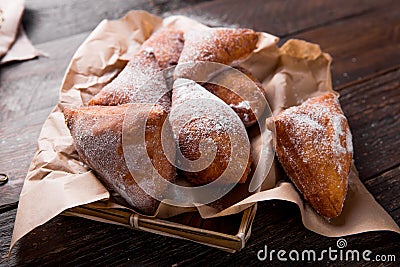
[[75, 241], [279, 17], [59, 240], [46, 20], [363, 37], [34, 85], [360, 45], [385, 188], [372, 108], [18, 143]]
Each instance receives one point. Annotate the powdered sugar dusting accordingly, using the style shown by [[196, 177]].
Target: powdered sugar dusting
[[318, 120], [219, 45], [241, 105], [339, 147], [141, 81], [307, 122], [242, 91], [166, 44], [314, 146], [97, 134], [197, 101], [197, 115], [349, 142], [204, 18]]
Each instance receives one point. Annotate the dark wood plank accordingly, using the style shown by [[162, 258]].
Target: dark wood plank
[[18, 143], [34, 85], [385, 188], [29, 91], [281, 18], [6, 225], [46, 20], [372, 108], [363, 38], [362, 45], [75, 241]]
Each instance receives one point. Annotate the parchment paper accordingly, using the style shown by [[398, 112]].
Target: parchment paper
[[14, 44], [21, 49], [11, 12], [57, 180]]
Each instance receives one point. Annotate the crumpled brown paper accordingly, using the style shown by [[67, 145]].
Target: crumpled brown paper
[[21, 49], [57, 180], [14, 44]]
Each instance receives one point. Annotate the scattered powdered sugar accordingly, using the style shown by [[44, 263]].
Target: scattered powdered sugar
[[306, 121], [97, 135], [318, 127], [197, 115], [191, 100], [242, 91], [315, 149], [204, 18], [166, 44], [349, 142], [141, 81], [242, 105], [338, 130], [95, 140], [149, 49], [219, 45]]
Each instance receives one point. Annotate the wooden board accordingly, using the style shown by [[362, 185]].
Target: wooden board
[[363, 38]]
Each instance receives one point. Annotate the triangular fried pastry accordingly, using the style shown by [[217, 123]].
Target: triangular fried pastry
[[315, 149], [226, 46], [166, 44], [197, 116], [97, 134], [141, 81], [241, 91]]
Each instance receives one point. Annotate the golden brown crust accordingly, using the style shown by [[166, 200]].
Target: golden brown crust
[[232, 99], [315, 149], [139, 82], [220, 45], [97, 135], [202, 127], [189, 139], [166, 44]]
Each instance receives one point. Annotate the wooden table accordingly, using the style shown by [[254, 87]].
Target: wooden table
[[363, 38]]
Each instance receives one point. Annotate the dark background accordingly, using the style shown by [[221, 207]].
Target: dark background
[[363, 37]]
